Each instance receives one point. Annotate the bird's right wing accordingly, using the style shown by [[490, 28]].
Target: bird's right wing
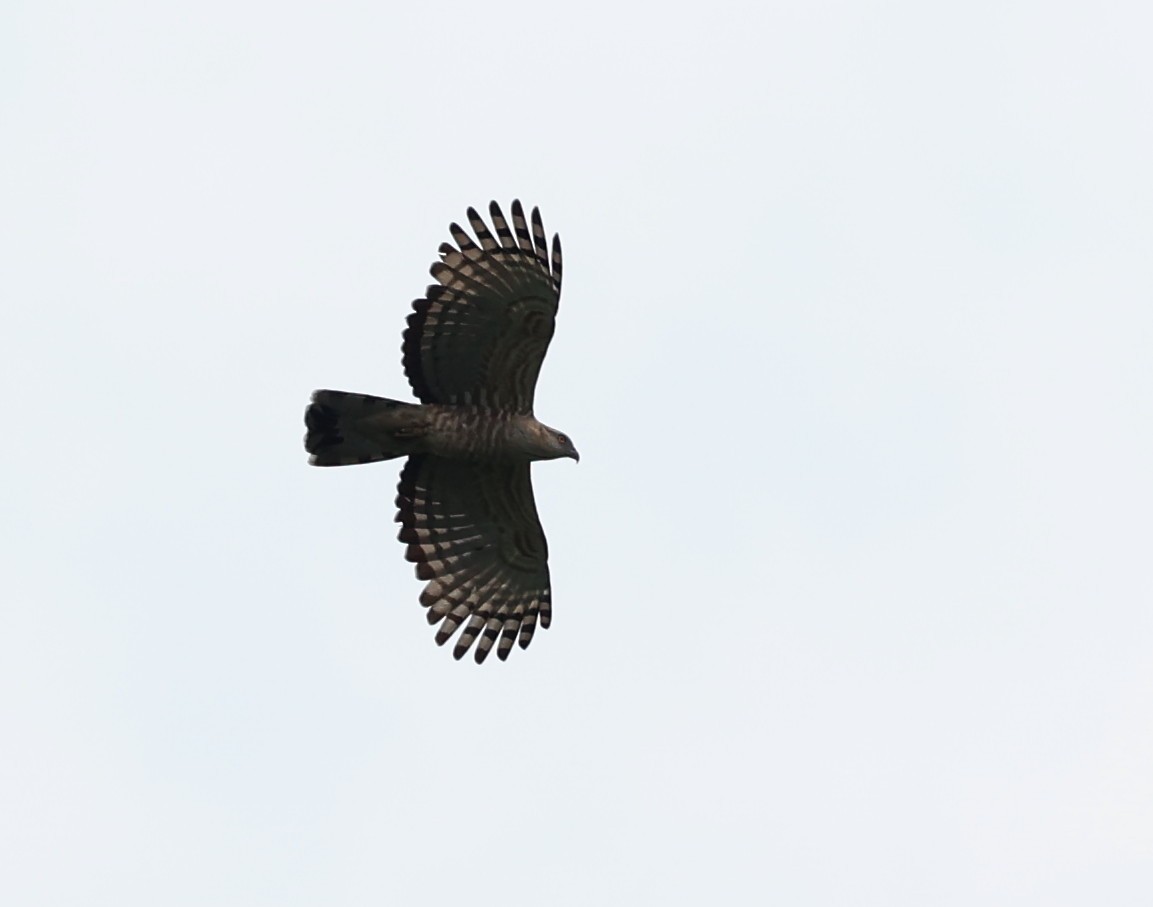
[[480, 335]]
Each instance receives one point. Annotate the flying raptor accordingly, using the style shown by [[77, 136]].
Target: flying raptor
[[472, 352]]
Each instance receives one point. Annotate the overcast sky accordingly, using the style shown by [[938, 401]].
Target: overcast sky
[[852, 583]]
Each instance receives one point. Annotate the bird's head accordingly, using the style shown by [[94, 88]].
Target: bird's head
[[556, 444]]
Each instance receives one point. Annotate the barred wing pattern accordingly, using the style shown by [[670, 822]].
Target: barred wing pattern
[[480, 335], [472, 530]]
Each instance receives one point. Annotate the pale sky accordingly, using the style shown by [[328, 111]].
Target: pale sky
[[852, 583]]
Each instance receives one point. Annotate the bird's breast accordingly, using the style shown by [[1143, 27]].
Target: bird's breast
[[471, 433]]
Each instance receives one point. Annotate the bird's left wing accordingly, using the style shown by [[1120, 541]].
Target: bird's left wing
[[473, 532]]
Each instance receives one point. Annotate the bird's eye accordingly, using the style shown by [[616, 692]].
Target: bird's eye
[[563, 439]]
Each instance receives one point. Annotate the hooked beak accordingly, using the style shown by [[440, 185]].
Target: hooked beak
[[576, 456]]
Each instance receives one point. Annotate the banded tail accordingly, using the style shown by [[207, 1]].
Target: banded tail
[[344, 428]]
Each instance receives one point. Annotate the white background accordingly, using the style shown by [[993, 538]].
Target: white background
[[853, 585]]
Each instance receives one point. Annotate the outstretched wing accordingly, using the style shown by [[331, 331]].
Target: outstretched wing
[[480, 335], [473, 532]]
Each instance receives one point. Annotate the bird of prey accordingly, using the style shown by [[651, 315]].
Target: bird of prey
[[472, 352]]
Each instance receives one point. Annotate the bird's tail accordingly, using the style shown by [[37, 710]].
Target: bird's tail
[[348, 428]]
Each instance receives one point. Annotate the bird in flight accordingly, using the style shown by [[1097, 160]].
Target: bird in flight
[[472, 351]]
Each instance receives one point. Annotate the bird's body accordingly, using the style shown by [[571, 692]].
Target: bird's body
[[384, 429], [472, 353]]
